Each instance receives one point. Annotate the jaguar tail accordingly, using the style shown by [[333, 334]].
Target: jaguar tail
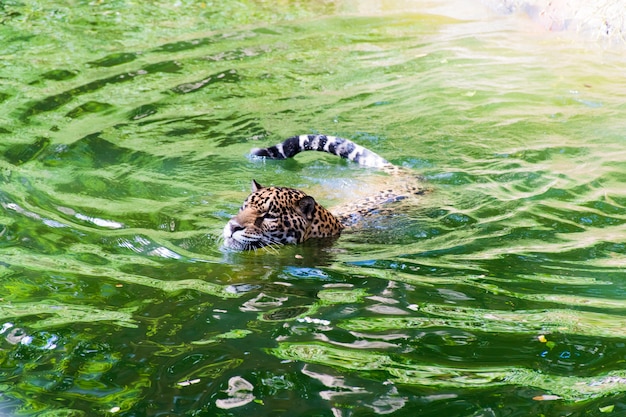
[[342, 147]]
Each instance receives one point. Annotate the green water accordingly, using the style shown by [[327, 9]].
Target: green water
[[124, 132]]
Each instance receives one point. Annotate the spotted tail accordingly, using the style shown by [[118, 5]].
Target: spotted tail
[[331, 144]]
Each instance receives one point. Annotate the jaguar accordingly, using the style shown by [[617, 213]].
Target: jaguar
[[275, 215]]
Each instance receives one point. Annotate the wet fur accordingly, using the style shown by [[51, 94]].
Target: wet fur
[[278, 215]]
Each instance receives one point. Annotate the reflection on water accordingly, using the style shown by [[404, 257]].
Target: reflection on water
[[124, 152]]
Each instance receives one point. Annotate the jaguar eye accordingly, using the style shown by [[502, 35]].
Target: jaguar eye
[[266, 216], [259, 221]]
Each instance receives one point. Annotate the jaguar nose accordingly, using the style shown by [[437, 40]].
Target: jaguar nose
[[233, 226]]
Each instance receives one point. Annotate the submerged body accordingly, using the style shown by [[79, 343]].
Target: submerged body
[[279, 215]]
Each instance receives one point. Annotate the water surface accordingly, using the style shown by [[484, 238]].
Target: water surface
[[125, 137]]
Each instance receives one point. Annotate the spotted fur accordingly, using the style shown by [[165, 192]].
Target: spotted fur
[[279, 215]]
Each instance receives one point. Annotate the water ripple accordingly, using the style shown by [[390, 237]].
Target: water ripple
[[124, 152]]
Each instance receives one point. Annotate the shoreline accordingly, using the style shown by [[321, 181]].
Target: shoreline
[[599, 20]]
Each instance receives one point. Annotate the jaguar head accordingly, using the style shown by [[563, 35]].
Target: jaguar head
[[277, 216]]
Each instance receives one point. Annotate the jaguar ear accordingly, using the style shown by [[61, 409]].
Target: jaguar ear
[[307, 206], [256, 186]]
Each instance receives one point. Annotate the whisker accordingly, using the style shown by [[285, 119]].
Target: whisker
[[270, 244], [271, 248]]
